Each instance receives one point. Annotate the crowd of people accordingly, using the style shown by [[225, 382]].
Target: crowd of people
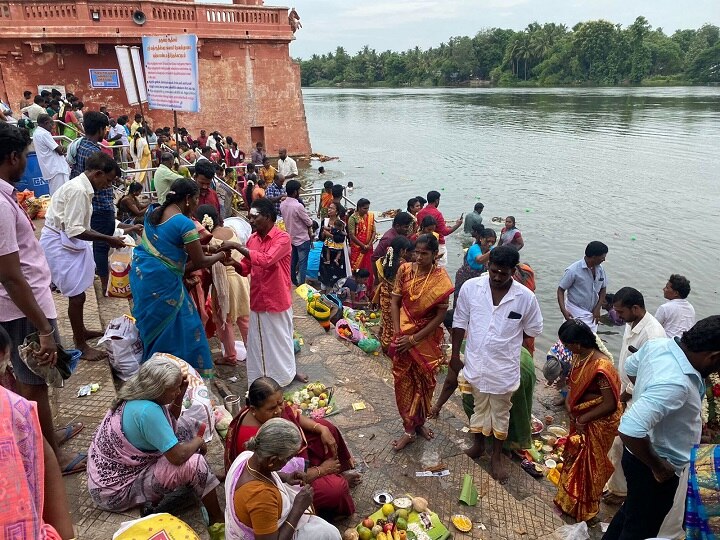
[[635, 424]]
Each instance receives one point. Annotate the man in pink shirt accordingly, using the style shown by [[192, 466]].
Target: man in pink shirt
[[270, 349], [26, 303], [433, 201], [297, 224]]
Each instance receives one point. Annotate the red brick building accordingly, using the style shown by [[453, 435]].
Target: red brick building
[[249, 85]]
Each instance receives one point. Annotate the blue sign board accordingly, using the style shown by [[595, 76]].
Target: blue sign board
[[104, 78]]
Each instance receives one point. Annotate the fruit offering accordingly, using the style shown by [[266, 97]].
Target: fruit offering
[[400, 520], [462, 523], [314, 400]]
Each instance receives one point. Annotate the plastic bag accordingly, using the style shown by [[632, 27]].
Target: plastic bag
[[348, 330], [123, 345], [119, 265], [578, 531], [197, 404]]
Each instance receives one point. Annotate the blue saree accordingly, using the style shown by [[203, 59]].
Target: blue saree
[[165, 313], [702, 510]]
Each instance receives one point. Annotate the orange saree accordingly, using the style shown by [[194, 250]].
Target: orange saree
[[414, 370], [586, 466], [364, 230]]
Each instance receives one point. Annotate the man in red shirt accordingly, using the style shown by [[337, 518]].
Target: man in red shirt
[[202, 139], [433, 201], [204, 175], [270, 348]]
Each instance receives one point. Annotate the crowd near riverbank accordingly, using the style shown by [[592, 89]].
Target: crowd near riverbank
[[643, 421]]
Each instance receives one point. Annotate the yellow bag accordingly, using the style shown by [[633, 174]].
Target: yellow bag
[[156, 527], [119, 266]]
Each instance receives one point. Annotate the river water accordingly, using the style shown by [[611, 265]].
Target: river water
[[638, 169]]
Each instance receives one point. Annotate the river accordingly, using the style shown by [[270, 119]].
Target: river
[[636, 168]]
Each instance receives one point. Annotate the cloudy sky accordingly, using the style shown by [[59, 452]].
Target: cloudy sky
[[403, 24]]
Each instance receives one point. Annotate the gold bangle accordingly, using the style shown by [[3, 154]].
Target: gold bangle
[[313, 428], [291, 525], [412, 341]]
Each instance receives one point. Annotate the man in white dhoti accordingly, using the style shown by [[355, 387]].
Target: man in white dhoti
[[270, 350], [66, 239], [50, 154], [585, 283]]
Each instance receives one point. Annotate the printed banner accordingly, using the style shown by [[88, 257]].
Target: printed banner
[[104, 78], [171, 72]]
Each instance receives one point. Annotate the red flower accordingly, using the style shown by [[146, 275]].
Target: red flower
[[716, 390]]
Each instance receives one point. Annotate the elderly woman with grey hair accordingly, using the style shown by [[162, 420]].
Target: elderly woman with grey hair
[[263, 503], [144, 450]]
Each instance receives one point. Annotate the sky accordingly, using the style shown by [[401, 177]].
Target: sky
[[403, 24]]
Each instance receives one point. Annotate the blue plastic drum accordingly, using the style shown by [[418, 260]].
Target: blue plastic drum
[[33, 178]]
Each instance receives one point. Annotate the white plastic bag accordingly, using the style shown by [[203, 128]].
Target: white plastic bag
[[125, 350], [197, 403], [578, 531]]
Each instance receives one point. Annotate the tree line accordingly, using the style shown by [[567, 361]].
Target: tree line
[[592, 53]]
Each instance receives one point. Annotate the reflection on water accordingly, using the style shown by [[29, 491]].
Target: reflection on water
[[635, 168]]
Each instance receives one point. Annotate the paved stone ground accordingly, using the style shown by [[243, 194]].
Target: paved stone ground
[[520, 510]]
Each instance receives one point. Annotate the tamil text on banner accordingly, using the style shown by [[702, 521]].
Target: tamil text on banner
[[104, 78], [171, 72]]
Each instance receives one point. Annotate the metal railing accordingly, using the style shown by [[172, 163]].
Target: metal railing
[[316, 194]]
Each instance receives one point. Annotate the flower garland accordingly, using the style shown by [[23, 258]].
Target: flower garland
[[712, 400]]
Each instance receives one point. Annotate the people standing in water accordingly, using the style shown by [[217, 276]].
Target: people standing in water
[[494, 312], [476, 257], [581, 291], [433, 199], [677, 315], [361, 234], [510, 234], [420, 300], [474, 219], [399, 252], [593, 403], [413, 207]]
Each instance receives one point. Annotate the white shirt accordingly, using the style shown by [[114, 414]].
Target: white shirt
[[287, 166], [646, 329], [51, 163], [71, 207], [212, 143], [676, 316], [494, 338], [119, 130], [33, 111]]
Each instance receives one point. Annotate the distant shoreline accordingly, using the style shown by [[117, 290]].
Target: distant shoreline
[[487, 84]]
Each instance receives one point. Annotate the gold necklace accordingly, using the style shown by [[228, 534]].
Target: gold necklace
[[414, 280], [259, 475], [579, 362]]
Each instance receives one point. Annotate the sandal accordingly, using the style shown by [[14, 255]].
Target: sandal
[[68, 432], [226, 362], [72, 467]]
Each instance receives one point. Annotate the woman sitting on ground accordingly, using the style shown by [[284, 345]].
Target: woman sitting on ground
[[400, 251], [261, 501], [594, 408], [130, 209], [144, 450], [330, 462]]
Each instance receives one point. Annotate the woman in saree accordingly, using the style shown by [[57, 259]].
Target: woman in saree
[[261, 498], [477, 255], [510, 234], [166, 316], [329, 462], [72, 128], [140, 152], [361, 233], [144, 449], [419, 303], [399, 252], [594, 409], [33, 497]]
